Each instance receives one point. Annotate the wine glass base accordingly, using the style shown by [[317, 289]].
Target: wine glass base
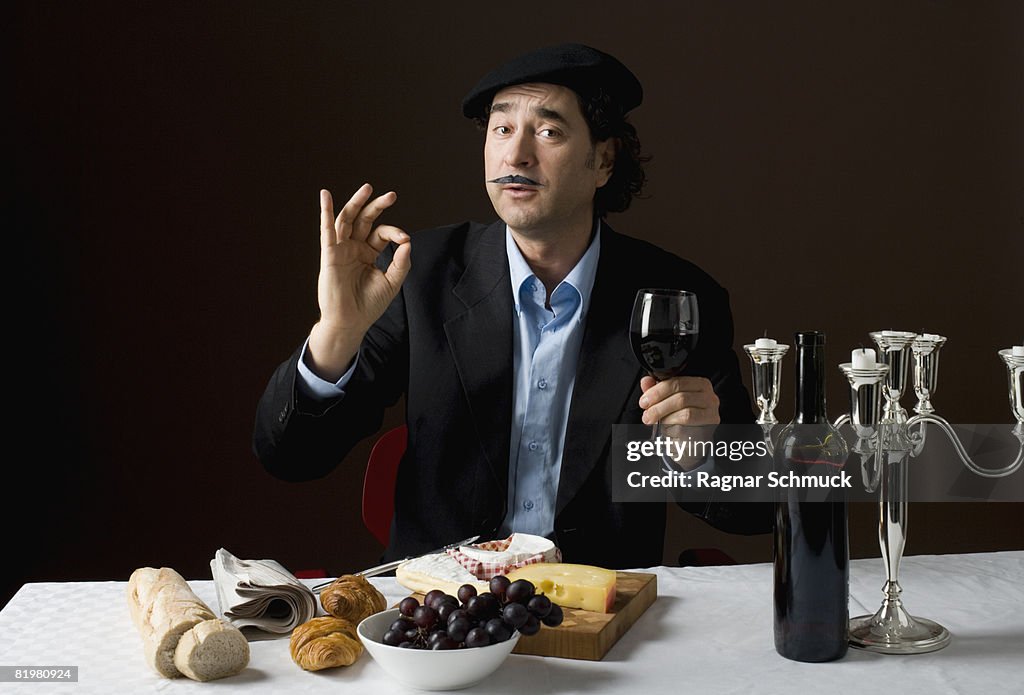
[[916, 636]]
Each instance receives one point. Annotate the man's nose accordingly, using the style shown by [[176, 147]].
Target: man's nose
[[520, 153]]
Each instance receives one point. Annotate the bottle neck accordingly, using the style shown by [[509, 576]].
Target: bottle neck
[[810, 384]]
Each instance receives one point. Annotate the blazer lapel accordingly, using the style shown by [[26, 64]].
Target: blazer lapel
[[606, 372], [480, 339]]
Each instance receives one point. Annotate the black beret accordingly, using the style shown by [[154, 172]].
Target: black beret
[[580, 68]]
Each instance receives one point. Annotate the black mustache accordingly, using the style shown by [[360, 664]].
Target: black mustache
[[515, 178]]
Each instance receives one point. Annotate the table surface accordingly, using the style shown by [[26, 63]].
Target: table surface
[[709, 631]]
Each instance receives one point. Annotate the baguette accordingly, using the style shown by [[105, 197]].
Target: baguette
[[212, 649], [180, 634]]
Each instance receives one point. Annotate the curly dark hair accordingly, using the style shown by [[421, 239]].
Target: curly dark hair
[[605, 119]]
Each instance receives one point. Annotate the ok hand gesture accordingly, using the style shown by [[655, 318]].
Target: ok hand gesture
[[352, 292]]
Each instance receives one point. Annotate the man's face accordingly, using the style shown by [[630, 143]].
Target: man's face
[[539, 163]]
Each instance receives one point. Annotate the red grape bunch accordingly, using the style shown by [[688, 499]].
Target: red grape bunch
[[472, 619]]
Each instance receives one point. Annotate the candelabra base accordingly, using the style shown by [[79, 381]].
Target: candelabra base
[[894, 631]]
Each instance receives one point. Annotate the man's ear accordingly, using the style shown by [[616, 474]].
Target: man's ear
[[604, 157]]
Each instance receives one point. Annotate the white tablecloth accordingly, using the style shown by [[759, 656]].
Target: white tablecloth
[[710, 631]]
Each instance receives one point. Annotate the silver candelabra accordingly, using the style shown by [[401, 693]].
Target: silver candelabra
[[892, 438]]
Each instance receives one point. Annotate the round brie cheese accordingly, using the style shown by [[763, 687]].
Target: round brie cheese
[[442, 571]]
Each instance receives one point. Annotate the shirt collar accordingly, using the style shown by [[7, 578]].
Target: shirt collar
[[581, 277]]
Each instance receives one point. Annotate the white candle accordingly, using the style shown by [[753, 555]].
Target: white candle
[[931, 336], [1018, 350], [765, 344], [864, 358]]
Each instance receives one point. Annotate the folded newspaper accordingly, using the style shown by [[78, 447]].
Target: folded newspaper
[[260, 594]]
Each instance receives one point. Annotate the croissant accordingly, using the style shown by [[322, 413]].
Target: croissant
[[353, 598], [325, 642]]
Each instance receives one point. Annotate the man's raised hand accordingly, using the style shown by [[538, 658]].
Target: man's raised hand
[[352, 292]]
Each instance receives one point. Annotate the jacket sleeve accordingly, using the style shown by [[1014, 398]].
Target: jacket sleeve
[[297, 438], [718, 362], [715, 358]]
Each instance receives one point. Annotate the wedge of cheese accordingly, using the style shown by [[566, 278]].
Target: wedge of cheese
[[572, 586], [437, 571]]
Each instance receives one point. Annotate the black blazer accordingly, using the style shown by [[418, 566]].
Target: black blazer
[[446, 344]]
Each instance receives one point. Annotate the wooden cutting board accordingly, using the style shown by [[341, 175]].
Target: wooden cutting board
[[588, 635]]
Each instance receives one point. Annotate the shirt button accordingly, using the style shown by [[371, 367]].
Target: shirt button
[[542, 384], [528, 505], [534, 446]]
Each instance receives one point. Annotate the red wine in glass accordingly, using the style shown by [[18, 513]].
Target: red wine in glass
[[663, 330]]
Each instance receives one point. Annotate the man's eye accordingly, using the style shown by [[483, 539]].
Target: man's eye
[[502, 130], [549, 133]]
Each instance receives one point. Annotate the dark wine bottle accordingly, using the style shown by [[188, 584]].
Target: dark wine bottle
[[811, 554]]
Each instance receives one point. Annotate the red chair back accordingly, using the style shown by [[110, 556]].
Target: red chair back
[[379, 482]]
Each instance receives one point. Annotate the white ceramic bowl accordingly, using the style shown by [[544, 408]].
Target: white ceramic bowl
[[427, 669]]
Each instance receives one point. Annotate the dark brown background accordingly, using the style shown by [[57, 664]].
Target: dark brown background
[[839, 166]]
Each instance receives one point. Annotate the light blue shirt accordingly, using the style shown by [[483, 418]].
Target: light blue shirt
[[320, 389], [545, 348]]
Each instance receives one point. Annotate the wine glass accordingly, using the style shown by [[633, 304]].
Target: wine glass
[[663, 330]]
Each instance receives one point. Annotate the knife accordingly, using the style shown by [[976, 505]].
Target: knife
[[388, 566]]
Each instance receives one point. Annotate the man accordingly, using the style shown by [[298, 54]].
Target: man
[[509, 341]]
